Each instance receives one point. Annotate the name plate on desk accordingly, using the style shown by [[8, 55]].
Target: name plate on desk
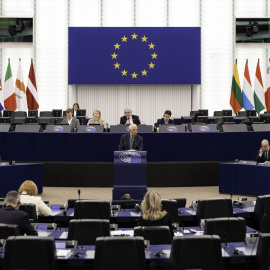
[[125, 129], [248, 162], [90, 129], [58, 128], [171, 128]]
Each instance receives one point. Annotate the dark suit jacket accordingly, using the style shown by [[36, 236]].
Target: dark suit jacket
[[125, 143], [263, 158], [135, 119], [9, 215], [74, 123], [162, 122]]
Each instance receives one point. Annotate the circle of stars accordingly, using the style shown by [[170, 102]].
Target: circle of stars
[[143, 72]]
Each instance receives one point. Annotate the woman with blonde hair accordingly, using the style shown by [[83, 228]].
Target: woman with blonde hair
[[97, 119], [28, 190], [152, 214]]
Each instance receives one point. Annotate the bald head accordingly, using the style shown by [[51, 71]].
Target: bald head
[[265, 145]]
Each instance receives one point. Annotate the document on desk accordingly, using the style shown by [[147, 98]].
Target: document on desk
[[122, 233], [90, 254], [64, 235], [248, 250], [43, 233], [224, 253], [135, 214], [63, 253], [191, 211], [56, 212]]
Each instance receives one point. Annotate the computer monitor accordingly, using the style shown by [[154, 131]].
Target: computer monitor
[[242, 113], [32, 113], [264, 118], [226, 112], [251, 113], [44, 120], [204, 112], [202, 119], [81, 112], [193, 113], [217, 113], [254, 119], [227, 119], [82, 119], [5, 120], [7, 113], [57, 113]]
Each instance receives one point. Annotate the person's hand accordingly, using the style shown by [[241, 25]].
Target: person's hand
[[127, 123], [261, 151], [265, 162]]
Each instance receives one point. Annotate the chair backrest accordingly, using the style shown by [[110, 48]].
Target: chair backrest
[[263, 252], [7, 230], [92, 209], [181, 202], [231, 229], [119, 253], [262, 214], [45, 114], [20, 114], [214, 208], [126, 204], [196, 252], [157, 235], [30, 252], [85, 231], [170, 206], [30, 209]]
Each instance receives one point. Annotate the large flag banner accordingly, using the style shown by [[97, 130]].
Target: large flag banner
[[31, 91], [1, 97], [247, 92], [20, 90], [259, 98], [236, 95], [267, 92], [8, 92], [134, 55]]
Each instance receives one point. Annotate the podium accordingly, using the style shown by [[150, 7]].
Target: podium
[[129, 174]]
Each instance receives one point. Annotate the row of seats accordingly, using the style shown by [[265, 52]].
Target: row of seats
[[187, 252]]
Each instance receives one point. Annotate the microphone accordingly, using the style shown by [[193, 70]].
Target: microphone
[[182, 224], [79, 193]]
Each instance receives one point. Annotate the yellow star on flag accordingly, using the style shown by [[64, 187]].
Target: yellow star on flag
[[134, 75], [114, 56], [144, 72], [151, 65], [151, 46], [116, 46], [124, 39], [134, 36], [124, 72], [117, 65], [144, 39], [154, 55]]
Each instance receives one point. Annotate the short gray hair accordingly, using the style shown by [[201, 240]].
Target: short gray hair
[[128, 108], [131, 126], [265, 141], [12, 197]]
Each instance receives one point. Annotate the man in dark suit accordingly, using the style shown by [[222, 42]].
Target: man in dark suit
[[129, 118], [131, 141], [264, 153], [71, 120], [165, 120], [11, 215]]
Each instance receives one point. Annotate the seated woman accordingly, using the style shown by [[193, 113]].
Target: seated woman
[[75, 108], [152, 214], [97, 119], [28, 189]]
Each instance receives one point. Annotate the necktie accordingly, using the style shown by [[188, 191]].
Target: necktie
[[266, 155], [131, 141]]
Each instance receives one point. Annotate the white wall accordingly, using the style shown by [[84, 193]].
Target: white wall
[[216, 18]]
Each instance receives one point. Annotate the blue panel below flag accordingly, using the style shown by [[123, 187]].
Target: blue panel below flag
[[134, 55]]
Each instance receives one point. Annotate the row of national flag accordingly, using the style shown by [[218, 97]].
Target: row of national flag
[[247, 98], [14, 97]]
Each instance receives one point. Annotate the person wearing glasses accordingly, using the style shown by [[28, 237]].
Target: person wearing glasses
[[129, 118], [152, 214], [11, 215]]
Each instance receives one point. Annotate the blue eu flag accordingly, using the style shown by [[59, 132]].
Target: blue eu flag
[[134, 55]]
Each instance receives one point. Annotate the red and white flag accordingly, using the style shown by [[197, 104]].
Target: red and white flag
[[20, 90], [31, 91], [267, 92]]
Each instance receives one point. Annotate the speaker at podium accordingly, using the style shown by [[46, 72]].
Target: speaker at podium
[[130, 174]]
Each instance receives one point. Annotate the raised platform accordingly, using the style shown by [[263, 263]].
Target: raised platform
[[159, 174]]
